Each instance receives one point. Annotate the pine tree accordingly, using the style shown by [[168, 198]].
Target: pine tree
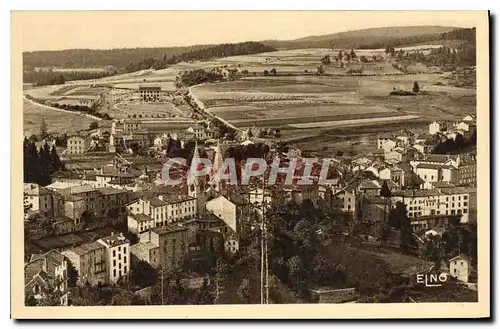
[[43, 129], [416, 87], [54, 161], [44, 155], [31, 164], [407, 240], [385, 191]]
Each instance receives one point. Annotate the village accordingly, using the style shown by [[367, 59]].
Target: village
[[105, 216]]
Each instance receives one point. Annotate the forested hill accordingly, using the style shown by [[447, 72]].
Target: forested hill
[[223, 50], [133, 59], [379, 38]]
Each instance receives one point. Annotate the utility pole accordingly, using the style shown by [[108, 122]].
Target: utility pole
[[218, 270], [162, 286], [264, 259]]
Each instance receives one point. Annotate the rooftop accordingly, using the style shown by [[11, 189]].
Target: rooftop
[[35, 189], [114, 239], [176, 198], [432, 166], [150, 87], [110, 191], [171, 228], [141, 217], [454, 190], [87, 247], [415, 193], [78, 189]]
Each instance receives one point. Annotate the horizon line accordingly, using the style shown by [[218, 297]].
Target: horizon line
[[228, 42]]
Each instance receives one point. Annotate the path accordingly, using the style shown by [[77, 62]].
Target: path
[[202, 106]]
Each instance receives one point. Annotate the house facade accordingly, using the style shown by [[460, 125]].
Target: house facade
[[89, 260], [46, 275], [77, 144], [460, 268], [117, 256]]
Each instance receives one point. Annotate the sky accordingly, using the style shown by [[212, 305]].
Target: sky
[[58, 30]]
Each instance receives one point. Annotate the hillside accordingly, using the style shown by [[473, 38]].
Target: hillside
[[378, 38], [396, 31]]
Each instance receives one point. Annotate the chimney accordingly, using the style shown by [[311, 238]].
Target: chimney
[[161, 197]]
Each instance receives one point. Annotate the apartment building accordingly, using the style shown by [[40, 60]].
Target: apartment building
[[89, 260], [73, 201], [165, 247], [160, 211], [445, 201], [117, 256], [77, 144]]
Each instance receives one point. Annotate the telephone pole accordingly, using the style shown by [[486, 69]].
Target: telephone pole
[[161, 286], [264, 259]]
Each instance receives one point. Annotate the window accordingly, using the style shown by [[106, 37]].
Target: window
[[119, 256], [114, 273], [114, 253], [124, 250], [119, 248], [125, 269], [114, 262], [455, 271], [462, 263]]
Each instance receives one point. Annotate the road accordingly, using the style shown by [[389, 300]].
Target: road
[[202, 106]]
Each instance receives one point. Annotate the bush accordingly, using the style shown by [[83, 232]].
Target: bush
[[401, 93]]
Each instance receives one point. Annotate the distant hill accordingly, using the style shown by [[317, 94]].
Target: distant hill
[[392, 32], [377, 37], [134, 59], [130, 59], [83, 58]]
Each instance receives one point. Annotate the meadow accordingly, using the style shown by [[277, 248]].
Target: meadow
[[57, 121]]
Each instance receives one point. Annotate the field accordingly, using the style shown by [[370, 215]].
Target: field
[[318, 113], [337, 110], [56, 121]]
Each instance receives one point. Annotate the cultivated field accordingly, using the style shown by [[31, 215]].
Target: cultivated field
[[307, 108], [145, 110]]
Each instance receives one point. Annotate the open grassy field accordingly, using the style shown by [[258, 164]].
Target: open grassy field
[[56, 121]]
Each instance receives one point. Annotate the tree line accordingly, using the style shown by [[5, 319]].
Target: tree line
[[223, 50], [85, 58], [43, 78], [40, 164], [197, 76], [374, 42]]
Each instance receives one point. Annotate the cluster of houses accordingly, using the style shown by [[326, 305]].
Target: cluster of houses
[[199, 221], [465, 127], [136, 132]]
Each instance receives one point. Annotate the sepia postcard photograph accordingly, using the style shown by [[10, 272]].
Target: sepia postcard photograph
[[250, 164]]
